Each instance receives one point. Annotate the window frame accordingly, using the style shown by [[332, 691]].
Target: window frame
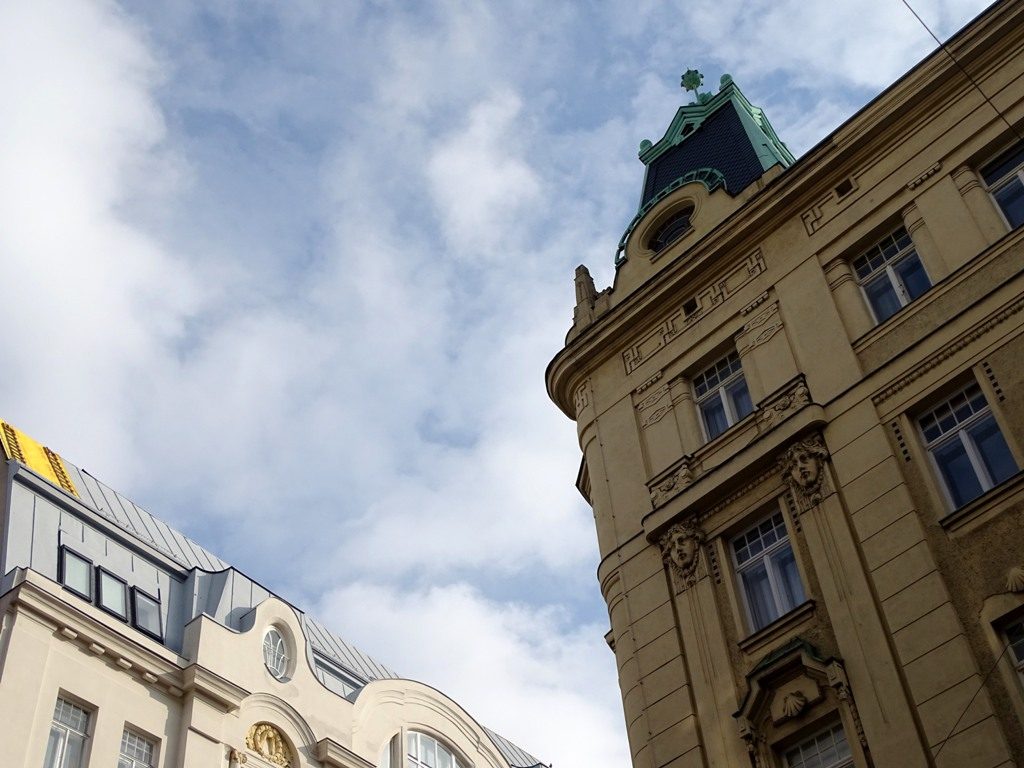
[[1016, 173], [413, 761], [960, 433], [285, 658], [132, 762], [66, 731], [765, 557], [829, 727], [100, 572], [64, 551], [887, 269], [1017, 661], [720, 390], [134, 593]]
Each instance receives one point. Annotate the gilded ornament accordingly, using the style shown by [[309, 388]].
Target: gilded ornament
[[266, 741]]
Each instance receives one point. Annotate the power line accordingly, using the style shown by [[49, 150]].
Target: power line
[[961, 68], [987, 676]]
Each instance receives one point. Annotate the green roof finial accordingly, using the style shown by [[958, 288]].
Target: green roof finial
[[692, 81]]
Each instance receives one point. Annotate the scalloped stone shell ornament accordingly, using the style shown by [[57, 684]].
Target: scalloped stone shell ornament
[[1015, 579], [793, 703]]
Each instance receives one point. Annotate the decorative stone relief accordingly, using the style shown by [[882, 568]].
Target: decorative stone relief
[[793, 703], [680, 548], [919, 180], [760, 328], [708, 297], [653, 407], [267, 742], [789, 401], [581, 398], [1015, 579], [803, 469], [664, 488]]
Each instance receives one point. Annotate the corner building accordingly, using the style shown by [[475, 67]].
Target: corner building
[[123, 643], [801, 413]]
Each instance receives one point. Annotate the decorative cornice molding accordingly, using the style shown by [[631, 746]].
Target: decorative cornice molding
[[197, 679], [947, 351], [919, 180]]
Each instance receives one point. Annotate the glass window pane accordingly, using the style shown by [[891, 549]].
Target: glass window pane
[[957, 471], [713, 413], [882, 297], [410, 744], [1003, 164], [147, 614], [53, 746], [74, 750], [1011, 200], [913, 276], [759, 596], [77, 573], [444, 758], [995, 453], [428, 755], [112, 595], [788, 578], [740, 398]]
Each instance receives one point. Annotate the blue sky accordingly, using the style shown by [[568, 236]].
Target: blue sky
[[289, 274]]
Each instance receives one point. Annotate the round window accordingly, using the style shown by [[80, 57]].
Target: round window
[[275, 653]]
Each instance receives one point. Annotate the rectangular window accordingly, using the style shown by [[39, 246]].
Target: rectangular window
[[1015, 636], [136, 751], [826, 749], [767, 572], [722, 396], [146, 613], [76, 573], [964, 440], [1004, 178], [112, 594], [68, 734], [891, 274]]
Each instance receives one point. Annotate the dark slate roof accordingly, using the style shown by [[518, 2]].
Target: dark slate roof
[[721, 142]]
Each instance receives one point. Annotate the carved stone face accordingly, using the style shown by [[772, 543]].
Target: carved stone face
[[682, 548], [805, 468]]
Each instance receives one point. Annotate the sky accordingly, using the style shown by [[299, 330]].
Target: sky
[[288, 274]]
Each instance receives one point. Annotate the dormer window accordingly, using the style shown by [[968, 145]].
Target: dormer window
[[676, 226]]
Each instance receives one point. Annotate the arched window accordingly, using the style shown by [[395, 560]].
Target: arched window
[[275, 653], [422, 751], [671, 230]]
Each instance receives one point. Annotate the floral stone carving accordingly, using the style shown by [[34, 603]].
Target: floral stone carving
[[266, 741], [680, 547], [803, 468]]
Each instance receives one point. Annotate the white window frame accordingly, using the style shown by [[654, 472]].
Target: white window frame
[[1015, 174], [67, 731], [764, 556], [960, 432], [888, 268], [720, 391], [413, 761], [846, 762], [275, 652], [131, 740]]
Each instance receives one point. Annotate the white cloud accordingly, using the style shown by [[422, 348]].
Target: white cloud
[[522, 670]]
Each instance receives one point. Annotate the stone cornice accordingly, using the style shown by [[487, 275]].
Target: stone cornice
[[38, 597], [333, 754], [197, 679]]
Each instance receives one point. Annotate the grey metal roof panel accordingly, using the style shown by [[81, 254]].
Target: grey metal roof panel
[[516, 756]]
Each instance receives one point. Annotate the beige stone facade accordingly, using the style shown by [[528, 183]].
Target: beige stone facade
[[802, 427]]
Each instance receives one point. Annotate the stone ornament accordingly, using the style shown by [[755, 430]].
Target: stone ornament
[[803, 469], [680, 548], [1015, 579], [793, 703], [267, 742], [791, 401]]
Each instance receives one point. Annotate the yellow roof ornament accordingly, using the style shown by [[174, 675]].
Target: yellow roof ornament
[[21, 448]]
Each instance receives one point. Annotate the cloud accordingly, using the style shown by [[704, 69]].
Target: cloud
[[526, 671]]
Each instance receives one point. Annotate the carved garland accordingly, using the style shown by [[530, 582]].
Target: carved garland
[[267, 742]]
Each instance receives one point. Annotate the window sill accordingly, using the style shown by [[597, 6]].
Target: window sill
[[774, 631], [987, 506]]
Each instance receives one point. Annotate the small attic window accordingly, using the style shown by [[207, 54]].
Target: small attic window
[[671, 230]]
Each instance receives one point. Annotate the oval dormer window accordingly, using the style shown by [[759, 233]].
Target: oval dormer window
[[671, 230]]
